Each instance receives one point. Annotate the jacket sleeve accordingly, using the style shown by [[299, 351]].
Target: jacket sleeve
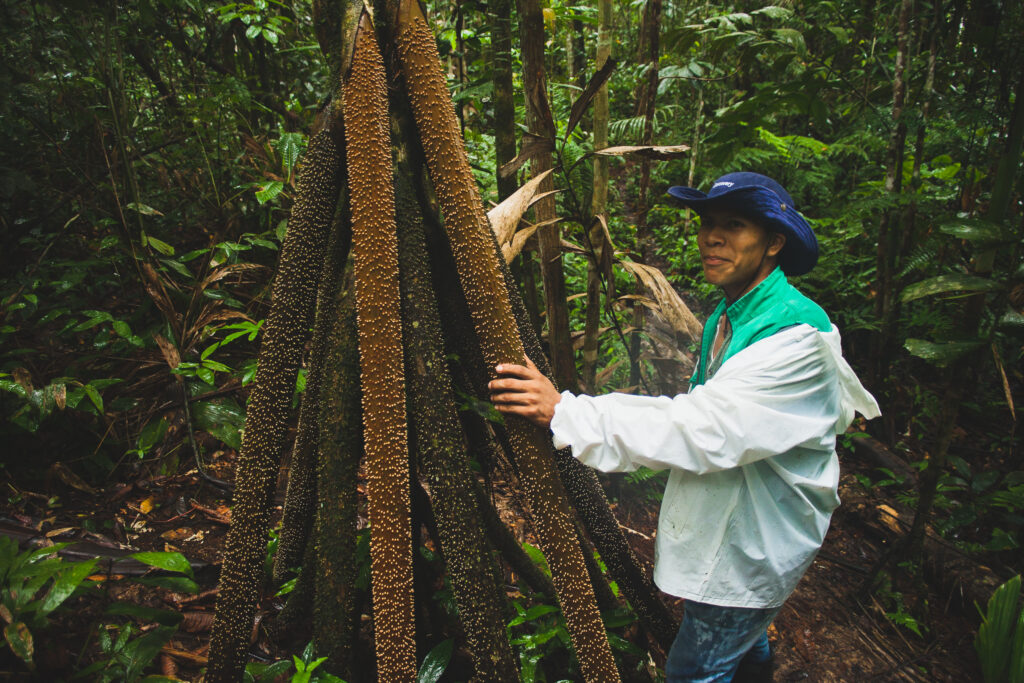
[[777, 394]]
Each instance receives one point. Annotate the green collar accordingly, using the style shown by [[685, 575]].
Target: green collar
[[772, 305]]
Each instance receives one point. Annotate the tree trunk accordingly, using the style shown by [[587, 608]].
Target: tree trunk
[[440, 450], [284, 336], [887, 233], [540, 123], [500, 15], [974, 306], [648, 53], [599, 201]]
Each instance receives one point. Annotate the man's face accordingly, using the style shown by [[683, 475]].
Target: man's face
[[736, 252]]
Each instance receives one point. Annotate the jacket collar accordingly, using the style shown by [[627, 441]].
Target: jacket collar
[[753, 302]]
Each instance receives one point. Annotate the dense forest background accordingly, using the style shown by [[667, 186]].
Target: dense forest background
[[148, 167]]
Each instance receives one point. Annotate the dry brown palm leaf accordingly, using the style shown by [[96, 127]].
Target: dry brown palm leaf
[[519, 240], [504, 218], [660, 152], [220, 273], [668, 304]]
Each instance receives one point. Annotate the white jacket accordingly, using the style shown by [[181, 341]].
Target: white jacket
[[753, 469]]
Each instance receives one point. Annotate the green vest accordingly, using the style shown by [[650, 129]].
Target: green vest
[[772, 305]]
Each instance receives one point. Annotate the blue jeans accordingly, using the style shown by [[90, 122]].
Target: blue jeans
[[712, 640]]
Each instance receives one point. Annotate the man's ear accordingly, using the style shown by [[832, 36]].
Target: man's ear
[[776, 241]]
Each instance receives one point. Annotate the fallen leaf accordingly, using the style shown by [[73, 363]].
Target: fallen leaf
[[177, 534], [146, 506], [57, 532]]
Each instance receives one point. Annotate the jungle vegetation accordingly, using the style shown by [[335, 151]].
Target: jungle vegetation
[[243, 243]]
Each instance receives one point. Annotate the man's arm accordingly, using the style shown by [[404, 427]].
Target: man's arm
[[523, 390], [780, 393]]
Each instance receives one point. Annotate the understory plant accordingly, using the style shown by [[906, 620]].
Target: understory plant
[[1000, 639], [34, 583]]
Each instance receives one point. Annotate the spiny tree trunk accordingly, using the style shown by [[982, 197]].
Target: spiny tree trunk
[[375, 256], [300, 496], [473, 248], [297, 526], [335, 620], [437, 436], [284, 336]]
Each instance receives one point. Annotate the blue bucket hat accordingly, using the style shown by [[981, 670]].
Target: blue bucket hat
[[760, 198]]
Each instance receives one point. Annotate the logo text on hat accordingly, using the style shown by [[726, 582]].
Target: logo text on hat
[[726, 183]]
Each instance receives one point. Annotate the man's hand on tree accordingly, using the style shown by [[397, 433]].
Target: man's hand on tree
[[524, 391]]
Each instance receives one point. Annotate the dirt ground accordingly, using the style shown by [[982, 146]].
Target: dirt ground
[[831, 629]]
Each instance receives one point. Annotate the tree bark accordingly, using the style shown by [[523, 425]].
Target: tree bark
[[500, 15], [598, 204], [884, 257], [648, 54], [540, 123]]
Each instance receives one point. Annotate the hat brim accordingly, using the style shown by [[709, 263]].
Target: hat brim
[[798, 256]]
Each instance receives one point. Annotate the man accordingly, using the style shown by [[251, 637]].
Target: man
[[753, 473]]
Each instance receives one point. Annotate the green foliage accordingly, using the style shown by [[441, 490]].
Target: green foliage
[[125, 654], [436, 662], [543, 632], [34, 583], [1000, 638], [305, 670]]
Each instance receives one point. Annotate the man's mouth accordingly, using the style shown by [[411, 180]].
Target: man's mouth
[[714, 260]]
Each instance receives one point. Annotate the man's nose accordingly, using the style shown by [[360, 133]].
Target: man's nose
[[711, 236]]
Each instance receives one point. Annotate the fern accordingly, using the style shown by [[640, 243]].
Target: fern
[[923, 255]]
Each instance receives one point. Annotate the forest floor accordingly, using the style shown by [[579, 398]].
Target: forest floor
[[829, 630]]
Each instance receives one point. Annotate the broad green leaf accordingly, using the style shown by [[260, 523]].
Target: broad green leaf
[[145, 649], [94, 396], [774, 12], [20, 639], [1012, 318], [66, 583], [940, 353], [286, 587], [143, 209], [215, 366], [270, 36], [954, 282], [537, 556], [173, 562], [177, 267], [791, 37], [995, 635], [122, 329], [841, 35], [160, 245], [976, 230], [622, 645], [436, 662], [534, 612], [269, 191], [94, 319], [253, 31]]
